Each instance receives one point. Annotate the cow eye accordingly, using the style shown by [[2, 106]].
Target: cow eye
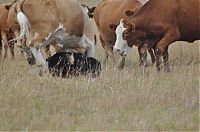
[[126, 33]]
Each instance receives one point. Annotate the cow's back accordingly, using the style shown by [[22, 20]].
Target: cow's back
[[180, 14], [55, 12], [111, 11]]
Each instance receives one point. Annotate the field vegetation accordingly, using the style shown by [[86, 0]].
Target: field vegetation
[[117, 100]]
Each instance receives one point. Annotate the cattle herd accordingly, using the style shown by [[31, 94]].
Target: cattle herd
[[35, 25]]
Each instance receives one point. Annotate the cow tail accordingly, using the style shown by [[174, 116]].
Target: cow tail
[[23, 22]]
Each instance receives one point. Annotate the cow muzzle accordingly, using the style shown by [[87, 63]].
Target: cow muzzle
[[118, 51]]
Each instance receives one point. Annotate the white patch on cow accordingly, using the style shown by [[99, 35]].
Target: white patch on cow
[[60, 26], [40, 61], [71, 59], [24, 26], [121, 46]]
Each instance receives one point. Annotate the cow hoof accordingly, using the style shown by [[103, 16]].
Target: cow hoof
[[141, 64], [105, 62], [5, 57], [167, 69], [120, 67], [12, 58]]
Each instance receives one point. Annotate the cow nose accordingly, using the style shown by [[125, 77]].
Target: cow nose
[[116, 50]]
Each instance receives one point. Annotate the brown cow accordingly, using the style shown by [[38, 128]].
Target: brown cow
[[43, 18], [109, 11], [6, 33], [160, 23]]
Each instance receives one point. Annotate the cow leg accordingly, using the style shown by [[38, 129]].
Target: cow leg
[[105, 61], [19, 43], [143, 56], [140, 56], [166, 60], [152, 54], [10, 36], [47, 51], [0, 46], [90, 48], [5, 43], [121, 62], [109, 51], [170, 37], [11, 47]]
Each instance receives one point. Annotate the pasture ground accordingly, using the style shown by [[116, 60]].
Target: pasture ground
[[117, 100]]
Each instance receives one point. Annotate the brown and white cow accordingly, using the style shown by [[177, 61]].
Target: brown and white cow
[[6, 33], [160, 22], [43, 18], [109, 11]]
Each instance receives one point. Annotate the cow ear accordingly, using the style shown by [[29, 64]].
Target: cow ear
[[91, 10], [7, 7], [129, 13], [112, 27]]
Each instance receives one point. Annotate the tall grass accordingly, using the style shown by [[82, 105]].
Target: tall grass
[[117, 100]]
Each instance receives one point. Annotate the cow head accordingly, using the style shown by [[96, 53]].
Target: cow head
[[28, 54], [129, 13], [33, 56], [90, 11], [121, 46], [126, 37], [7, 7]]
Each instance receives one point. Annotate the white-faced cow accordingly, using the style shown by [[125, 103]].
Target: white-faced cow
[[109, 11], [160, 23]]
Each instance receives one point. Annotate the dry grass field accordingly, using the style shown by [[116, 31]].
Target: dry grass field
[[117, 100]]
